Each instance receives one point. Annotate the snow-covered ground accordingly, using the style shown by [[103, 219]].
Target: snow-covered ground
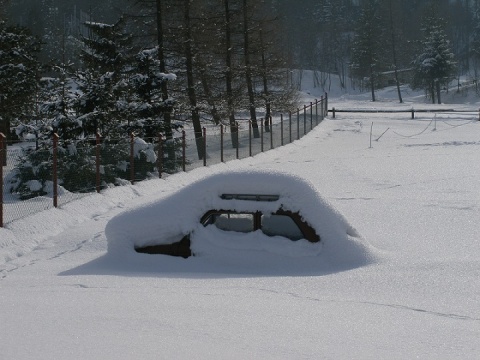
[[412, 193]]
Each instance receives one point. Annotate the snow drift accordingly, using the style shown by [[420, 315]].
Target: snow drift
[[167, 220]]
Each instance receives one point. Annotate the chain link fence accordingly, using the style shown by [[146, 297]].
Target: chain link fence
[[34, 179]]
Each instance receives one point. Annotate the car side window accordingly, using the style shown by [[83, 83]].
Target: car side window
[[239, 222], [281, 225]]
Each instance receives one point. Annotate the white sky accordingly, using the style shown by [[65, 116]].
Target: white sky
[[413, 196]]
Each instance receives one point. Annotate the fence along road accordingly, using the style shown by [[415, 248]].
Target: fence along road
[[217, 145]]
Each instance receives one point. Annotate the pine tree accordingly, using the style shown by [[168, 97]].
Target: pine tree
[[18, 74], [104, 55], [367, 46], [435, 66]]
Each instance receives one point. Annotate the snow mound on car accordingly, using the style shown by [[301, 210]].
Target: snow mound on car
[[167, 220]]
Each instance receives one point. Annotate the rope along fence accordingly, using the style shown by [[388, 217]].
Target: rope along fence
[[61, 173]]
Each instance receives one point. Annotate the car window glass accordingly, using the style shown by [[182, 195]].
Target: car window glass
[[281, 225], [234, 222]]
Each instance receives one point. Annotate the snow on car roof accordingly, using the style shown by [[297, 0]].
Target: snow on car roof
[[166, 220]]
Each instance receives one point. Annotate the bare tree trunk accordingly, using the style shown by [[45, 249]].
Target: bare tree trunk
[[437, 85], [209, 95], [372, 83], [394, 53], [192, 96], [228, 76], [248, 72], [265, 86], [161, 57]]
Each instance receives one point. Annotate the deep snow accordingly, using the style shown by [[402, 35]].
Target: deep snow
[[413, 196]]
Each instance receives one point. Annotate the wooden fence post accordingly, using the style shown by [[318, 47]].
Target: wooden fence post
[[55, 170]]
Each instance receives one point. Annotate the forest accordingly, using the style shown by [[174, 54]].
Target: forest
[[116, 67]]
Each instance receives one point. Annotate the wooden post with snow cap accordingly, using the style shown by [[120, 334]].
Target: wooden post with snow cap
[[55, 170], [3, 155]]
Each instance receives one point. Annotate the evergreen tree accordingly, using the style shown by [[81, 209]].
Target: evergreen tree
[[435, 65], [105, 54], [18, 74], [367, 46]]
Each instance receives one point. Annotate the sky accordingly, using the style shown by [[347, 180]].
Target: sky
[[409, 188]]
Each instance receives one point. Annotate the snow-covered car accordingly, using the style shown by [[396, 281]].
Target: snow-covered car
[[237, 210]]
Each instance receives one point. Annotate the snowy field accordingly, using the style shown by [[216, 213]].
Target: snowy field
[[412, 193]]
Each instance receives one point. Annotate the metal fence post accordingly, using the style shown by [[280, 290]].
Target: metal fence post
[[311, 115], [271, 132], [184, 147], [249, 139], [316, 112], [204, 146], [160, 155], [326, 104], [55, 170], [3, 154], [290, 124], [221, 143], [132, 162], [322, 108], [237, 150], [3, 150], [261, 136], [97, 162], [281, 129], [304, 119], [298, 123]]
